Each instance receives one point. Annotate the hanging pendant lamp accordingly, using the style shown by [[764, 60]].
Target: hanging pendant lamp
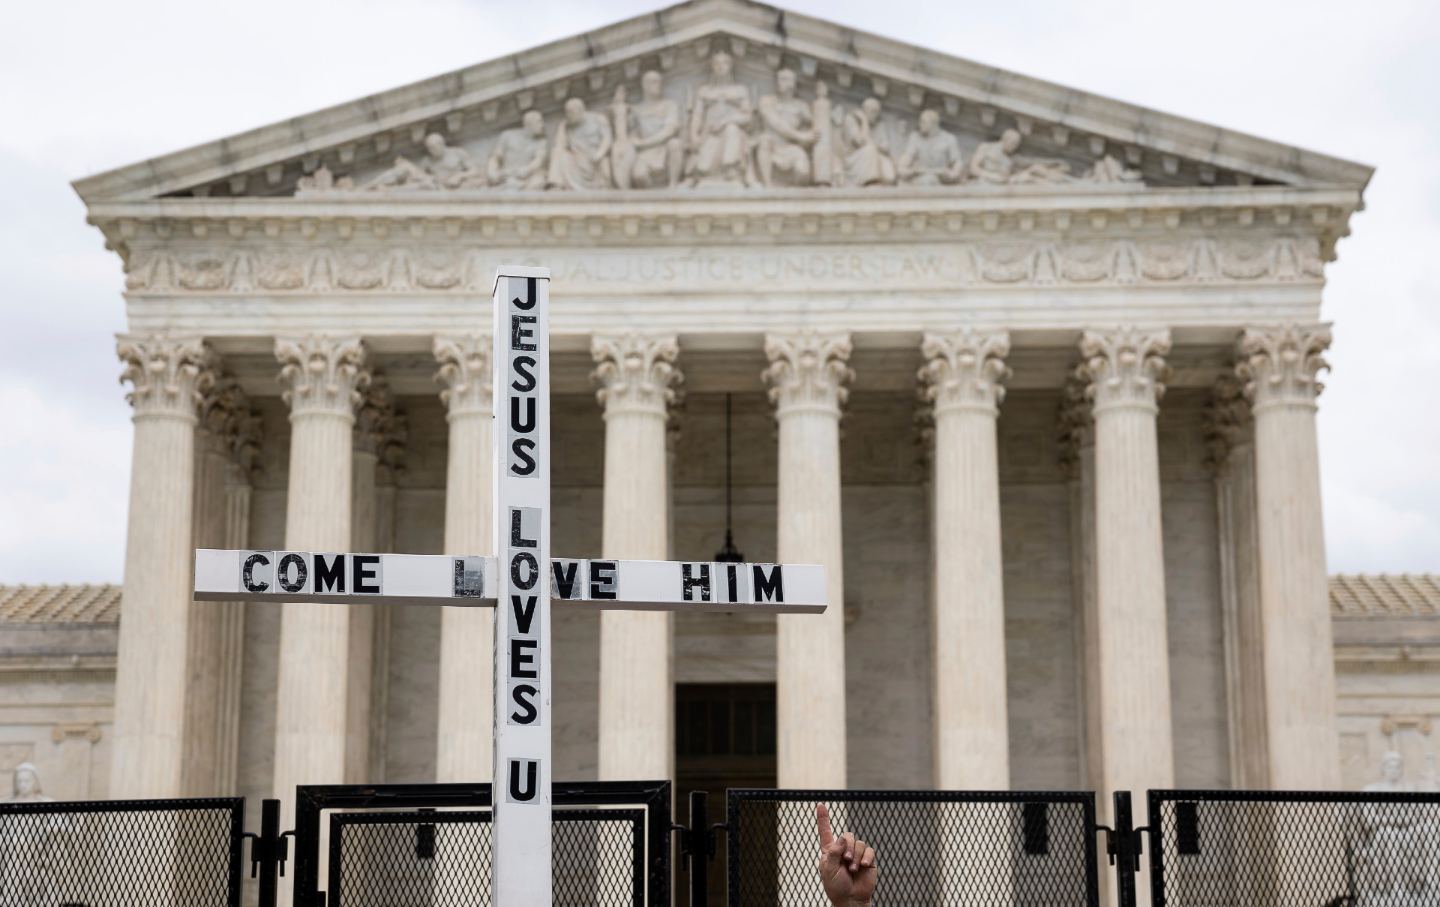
[[728, 553]]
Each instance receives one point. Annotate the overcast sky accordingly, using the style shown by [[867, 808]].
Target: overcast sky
[[92, 85]]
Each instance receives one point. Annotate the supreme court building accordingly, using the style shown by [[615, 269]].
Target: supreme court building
[[1033, 373]]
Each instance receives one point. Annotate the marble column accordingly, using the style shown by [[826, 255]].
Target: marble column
[[636, 376], [168, 375], [467, 635], [244, 459], [375, 423], [1280, 366], [962, 378], [206, 716], [1125, 369], [1077, 458], [808, 374], [1232, 460], [323, 376]]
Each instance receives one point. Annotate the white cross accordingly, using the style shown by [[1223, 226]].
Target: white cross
[[521, 794]]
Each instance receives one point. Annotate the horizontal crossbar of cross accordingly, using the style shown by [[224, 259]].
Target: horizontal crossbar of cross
[[434, 579]]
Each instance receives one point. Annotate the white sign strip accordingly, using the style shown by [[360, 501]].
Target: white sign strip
[[434, 579], [521, 789]]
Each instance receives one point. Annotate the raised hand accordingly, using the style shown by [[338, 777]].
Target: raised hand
[[848, 868]]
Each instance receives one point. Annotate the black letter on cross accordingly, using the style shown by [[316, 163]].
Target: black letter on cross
[[526, 794]]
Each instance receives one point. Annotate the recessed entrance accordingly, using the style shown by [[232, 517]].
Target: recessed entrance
[[724, 737]]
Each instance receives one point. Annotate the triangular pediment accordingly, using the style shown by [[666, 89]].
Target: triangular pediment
[[1064, 136]]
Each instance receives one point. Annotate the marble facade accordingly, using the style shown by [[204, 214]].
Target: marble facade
[[1089, 555]]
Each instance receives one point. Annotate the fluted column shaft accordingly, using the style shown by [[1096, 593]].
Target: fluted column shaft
[[324, 377], [232, 617], [168, 376], [1280, 366], [467, 635], [636, 373], [376, 431], [962, 378], [1125, 370], [808, 374], [222, 412]]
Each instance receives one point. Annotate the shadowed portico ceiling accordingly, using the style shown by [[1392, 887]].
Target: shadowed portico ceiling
[[1093, 143]]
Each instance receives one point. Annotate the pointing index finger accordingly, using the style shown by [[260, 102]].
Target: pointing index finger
[[822, 825]]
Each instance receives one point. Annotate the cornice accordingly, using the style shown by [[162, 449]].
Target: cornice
[[433, 230], [1325, 207]]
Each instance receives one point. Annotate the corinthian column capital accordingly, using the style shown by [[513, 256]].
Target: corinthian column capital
[[809, 370], [1227, 421], [323, 375], [636, 372], [965, 370], [1281, 365], [168, 375], [1075, 425], [377, 426], [1124, 367], [465, 372], [223, 411]]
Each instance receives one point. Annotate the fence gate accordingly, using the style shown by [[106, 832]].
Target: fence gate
[[1008, 849], [1234, 848], [121, 853], [403, 845]]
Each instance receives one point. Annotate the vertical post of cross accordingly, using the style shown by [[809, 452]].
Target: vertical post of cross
[[521, 789]]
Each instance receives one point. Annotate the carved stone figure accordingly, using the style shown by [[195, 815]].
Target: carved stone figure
[[864, 149], [323, 180], [825, 169], [1109, 170], [720, 120], [520, 156], [580, 156], [994, 162], [1393, 841], [782, 153], [30, 845], [25, 786], [648, 149], [443, 167], [932, 156]]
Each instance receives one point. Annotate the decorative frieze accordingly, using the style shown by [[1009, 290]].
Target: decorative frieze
[[1281, 365], [1124, 367], [808, 369], [465, 373], [635, 371], [463, 268], [168, 375], [965, 369], [322, 373]]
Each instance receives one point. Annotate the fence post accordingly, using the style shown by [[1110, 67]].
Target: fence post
[[1122, 850], [697, 848], [267, 852]]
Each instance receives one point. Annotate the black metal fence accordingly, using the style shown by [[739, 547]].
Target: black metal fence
[[1288, 849], [121, 853], [937, 847], [401, 845], [442, 858]]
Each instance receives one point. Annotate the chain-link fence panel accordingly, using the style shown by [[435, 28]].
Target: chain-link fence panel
[[1014, 849], [1234, 848], [121, 853], [443, 859]]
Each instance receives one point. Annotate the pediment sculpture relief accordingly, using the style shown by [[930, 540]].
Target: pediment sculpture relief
[[722, 135]]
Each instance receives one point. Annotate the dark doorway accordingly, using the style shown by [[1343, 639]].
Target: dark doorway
[[724, 737]]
